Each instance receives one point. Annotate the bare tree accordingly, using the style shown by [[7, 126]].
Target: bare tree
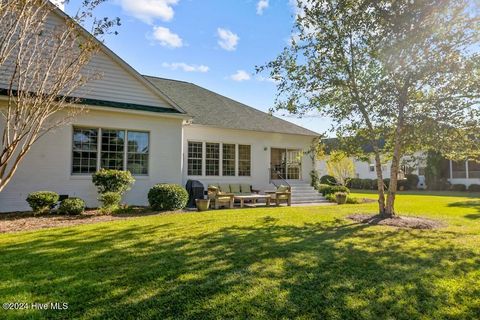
[[44, 57]]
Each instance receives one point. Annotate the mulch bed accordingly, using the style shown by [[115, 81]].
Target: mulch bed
[[25, 221], [399, 221]]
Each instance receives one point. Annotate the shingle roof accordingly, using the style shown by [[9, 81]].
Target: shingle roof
[[212, 109]]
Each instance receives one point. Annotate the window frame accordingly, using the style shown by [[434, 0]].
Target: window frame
[[218, 160], [99, 149], [234, 160], [249, 160], [204, 159]]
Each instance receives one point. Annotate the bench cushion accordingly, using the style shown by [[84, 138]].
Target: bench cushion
[[224, 187], [235, 188], [245, 188], [282, 188]]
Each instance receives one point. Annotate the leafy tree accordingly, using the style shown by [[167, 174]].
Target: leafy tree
[[405, 72], [42, 65], [341, 167]]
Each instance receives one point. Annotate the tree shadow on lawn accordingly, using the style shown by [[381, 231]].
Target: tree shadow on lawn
[[469, 205], [267, 270]]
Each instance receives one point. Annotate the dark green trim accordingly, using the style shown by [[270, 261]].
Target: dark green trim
[[111, 104]]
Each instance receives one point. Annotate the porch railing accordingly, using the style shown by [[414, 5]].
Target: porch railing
[[280, 177]]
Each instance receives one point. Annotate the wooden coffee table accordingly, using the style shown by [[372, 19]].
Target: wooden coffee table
[[254, 198]]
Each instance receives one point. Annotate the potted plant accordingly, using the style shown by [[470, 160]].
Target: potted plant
[[341, 197], [202, 204]]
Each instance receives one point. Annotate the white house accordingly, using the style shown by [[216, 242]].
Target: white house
[[162, 131]]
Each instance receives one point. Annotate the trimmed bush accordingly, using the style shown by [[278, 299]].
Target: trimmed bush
[[413, 181], [341, 197], [72, 206], [110, 199], [117, 181], [403, 184], [459, 187], [330, 180], [367, 184], [474, 188], [326, 189], [42, 201], [167, 197], [355, 183]]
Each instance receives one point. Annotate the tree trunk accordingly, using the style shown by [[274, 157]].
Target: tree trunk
[[380, 186], [397, 146], [392, 188]]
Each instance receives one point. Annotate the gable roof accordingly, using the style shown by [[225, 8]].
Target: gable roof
[[212, 109], [108, 91]]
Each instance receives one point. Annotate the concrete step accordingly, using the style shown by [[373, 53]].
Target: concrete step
[[311, 202]]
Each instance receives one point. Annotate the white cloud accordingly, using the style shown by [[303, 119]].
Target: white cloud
[[186, 67], [149, 10], [228, 40], [167, 38], [261, 6], [240, 75]]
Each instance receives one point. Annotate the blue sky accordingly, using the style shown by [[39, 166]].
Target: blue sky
[[213, 43]]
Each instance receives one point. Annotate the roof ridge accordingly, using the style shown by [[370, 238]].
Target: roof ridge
[[169, 79]]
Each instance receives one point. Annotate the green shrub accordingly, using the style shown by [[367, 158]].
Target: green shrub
[[341, 197], [314, 179], [331, 198], [402, 184], [439, 185], [167, 197], [355, 183], [459, 187], [474, 188], [326, 189], [110, 199], [117, 181], [352, 200], [42, 201], [386, 183], [413, 181], [330, 180], [72, 206], [366, 184]]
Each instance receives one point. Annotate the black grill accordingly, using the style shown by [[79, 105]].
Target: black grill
[[195, 191]]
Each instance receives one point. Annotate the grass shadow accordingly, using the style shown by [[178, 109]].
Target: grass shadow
[[266, 270]]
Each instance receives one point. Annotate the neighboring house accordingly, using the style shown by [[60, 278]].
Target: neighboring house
[[162, 131], [456, 172], [414, 164]]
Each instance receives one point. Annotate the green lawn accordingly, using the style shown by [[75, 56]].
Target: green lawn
[[298, 262]]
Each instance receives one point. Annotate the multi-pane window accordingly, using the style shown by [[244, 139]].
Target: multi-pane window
[[113, 144], [84, 155], [212, 159], [218, 159], [117, 149], [244, 160], [228, 160], [195, 153], [137, 152]]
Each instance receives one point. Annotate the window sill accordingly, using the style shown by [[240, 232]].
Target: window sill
[[89, 177]]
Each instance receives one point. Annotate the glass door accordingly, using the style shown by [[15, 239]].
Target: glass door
[[285, 164]]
